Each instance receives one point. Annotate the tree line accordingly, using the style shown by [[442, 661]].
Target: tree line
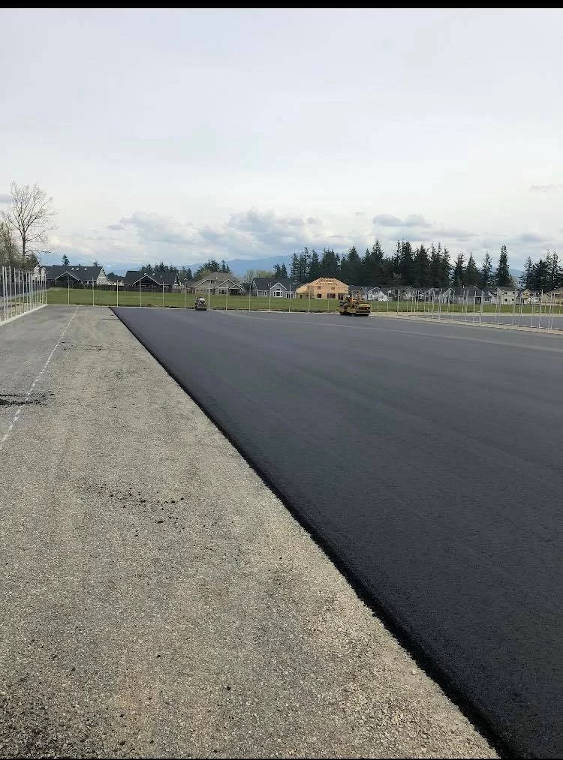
[[421, 267], [185, 273], [544, 274]]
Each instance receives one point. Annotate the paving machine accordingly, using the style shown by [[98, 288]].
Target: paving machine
[[200, 304], [356, 306]]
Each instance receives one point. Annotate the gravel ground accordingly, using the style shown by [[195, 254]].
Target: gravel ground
[[151, 608]]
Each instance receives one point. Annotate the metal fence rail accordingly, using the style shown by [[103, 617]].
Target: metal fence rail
[[20, 292], [542, 311]]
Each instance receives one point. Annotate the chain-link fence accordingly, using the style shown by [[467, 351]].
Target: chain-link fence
[[21, 291], [543, 311]]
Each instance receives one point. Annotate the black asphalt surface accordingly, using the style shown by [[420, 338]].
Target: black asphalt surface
[[427, 459]]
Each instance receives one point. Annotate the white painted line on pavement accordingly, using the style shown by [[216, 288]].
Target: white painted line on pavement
[[33, 384]]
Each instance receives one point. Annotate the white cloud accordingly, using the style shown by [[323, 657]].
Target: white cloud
[[530, 237], [387, 220], [546, 188], [412, 220], [452, 233]]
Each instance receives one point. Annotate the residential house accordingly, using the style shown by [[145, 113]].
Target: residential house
[[502, 295], [369, 292], [59, 275], [139, 280], [472, 295], [115, 279], [281, 287], [553, 296], [217, 283], [323, 287]]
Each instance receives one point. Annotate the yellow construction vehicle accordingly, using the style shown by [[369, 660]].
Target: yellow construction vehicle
[[356, 306]]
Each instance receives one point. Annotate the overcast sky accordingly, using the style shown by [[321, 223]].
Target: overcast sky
[[181, 134]]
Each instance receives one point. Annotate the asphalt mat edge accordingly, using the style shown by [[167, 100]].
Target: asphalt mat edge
[[476, 715]]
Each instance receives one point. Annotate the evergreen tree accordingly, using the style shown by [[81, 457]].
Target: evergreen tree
[[472, 275], [295, 268], [314, 266], [395, 267], [555, 271], [446, 268], [541, 275], [486, 273], [330, 264], [304, 265], [205, 269], [283, 271], [406, 268], [66, 262], [224, 267], [435, 268], [502, 274], [351, 267], [277, 271], [526, 276], [421, 268], [458, 276], [373, 266]]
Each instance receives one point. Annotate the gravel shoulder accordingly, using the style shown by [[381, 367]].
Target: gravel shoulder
[[151, 606]]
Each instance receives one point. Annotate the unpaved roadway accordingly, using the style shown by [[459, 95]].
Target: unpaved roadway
[[158, 599]]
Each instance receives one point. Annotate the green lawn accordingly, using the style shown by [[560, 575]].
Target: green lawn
[[103, 297]]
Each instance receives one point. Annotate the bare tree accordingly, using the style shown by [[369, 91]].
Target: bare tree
[[30, 215]]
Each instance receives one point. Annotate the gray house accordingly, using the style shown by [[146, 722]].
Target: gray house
[[274, 287]]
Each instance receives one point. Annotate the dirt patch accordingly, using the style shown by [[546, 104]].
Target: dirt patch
[[22, 399], [66, 346]]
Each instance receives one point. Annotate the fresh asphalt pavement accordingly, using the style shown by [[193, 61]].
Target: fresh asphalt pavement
[[427, 460]]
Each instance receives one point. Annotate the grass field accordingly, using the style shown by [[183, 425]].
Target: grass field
[[103, 297]]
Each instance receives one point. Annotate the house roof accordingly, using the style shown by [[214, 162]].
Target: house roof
[[79, 272], [322, 281], [265, 283], [216, 279], [114, 277], [132, 277]]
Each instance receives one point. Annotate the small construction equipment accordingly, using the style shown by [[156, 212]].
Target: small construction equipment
[[200, 304], [355, 306]]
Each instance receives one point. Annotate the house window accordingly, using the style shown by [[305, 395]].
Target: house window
[[277, 294]]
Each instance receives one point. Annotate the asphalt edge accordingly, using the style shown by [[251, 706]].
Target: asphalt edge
[[474, 715]]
